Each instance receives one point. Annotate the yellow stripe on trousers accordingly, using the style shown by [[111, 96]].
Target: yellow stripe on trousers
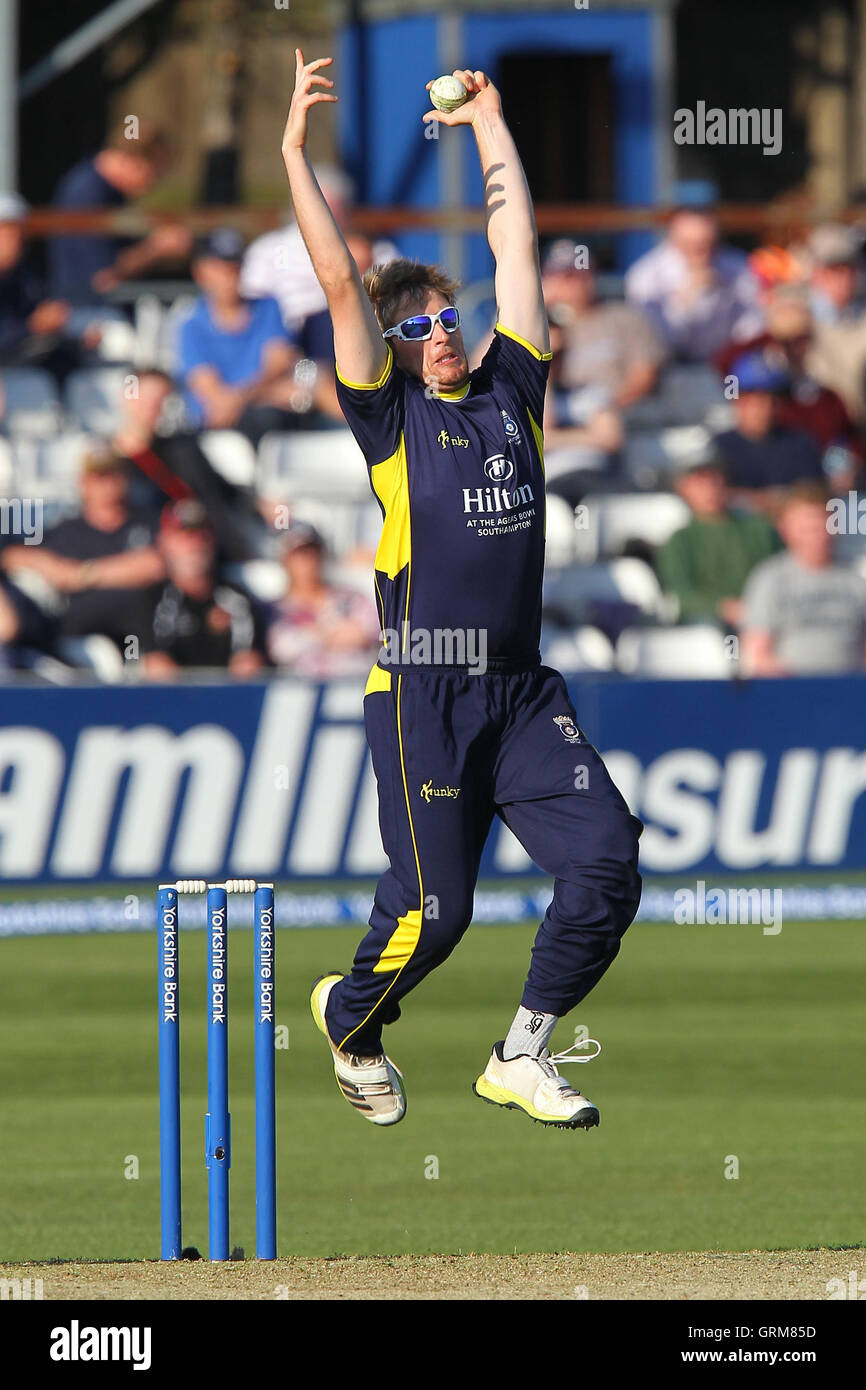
[[404, 939]]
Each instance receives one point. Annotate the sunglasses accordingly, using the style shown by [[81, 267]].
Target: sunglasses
[[420, 327]]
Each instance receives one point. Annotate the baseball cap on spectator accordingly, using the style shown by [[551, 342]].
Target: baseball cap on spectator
[[186, 515], [223, 244], [755, 373], [303, 534], [561, 256], [834, 244], [13, 208]]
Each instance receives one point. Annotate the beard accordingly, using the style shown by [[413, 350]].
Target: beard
[[448, 375]]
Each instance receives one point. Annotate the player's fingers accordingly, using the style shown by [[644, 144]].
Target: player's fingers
[[441, 117], [318, 63], [480, 80], [465, 76], [321, 81], [313, 97]]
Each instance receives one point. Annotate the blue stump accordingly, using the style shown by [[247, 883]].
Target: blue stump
[[264, 1004], [169, 1073], [218, 1120]]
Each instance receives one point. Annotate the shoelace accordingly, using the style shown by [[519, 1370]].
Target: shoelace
[[555, 1059]]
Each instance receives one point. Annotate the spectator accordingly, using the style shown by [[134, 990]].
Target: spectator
[[278, 265], [804, 404], [104, 561], [320, 629], [699, 294], [197, 622], [838, 356], [761, 455], [31, 325], [236, 358], [606, 357], [169, 465], [707, 562], [85, 268], [805, 614]]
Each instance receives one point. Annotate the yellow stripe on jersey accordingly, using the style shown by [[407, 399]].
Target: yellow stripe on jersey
[[377, 680], [509, 333], [391, 485], [538, 436], [370, 385]]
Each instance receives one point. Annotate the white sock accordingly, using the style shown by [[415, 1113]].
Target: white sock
[[529, 1034]]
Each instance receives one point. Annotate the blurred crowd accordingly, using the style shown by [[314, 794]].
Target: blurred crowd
[[202, 506]]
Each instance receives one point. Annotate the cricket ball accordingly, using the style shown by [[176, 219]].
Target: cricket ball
[[447, 93]]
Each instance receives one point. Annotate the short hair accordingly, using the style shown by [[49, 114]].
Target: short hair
[[388, 285], [151, 143], [809, 492]]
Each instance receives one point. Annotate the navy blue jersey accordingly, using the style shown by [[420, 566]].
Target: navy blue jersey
[[460, 480]]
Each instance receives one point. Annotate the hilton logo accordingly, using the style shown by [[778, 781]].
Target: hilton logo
[[498, 468], [496, 499]]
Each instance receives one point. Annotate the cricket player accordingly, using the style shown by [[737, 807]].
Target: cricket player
[[462, 720]]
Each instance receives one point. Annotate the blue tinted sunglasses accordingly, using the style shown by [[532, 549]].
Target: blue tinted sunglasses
[[420, 326]]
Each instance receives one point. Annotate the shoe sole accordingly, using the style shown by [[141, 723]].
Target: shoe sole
[[319, 1020], [586, 1120]]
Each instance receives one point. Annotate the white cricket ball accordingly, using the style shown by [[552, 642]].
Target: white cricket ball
[[447, 93]]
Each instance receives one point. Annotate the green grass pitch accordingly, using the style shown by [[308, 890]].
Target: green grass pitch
[[718, 1042]]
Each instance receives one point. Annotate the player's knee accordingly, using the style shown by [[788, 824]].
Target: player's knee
[[605, 893], [445, 917]]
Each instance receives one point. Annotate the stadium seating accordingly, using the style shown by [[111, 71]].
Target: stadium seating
[[32, 404], [50, 468], [614, 519], [587, 648], [231, 454], [312, 463], [93, 398], [695, 652], [560, 542], [118, 341], [685, 393]]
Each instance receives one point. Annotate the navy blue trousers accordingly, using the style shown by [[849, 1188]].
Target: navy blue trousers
[[451, 750]]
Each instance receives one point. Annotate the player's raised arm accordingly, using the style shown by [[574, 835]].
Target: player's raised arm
[[511, 229], [358, 344]]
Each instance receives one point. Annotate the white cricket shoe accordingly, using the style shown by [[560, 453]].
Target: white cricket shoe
[[534, 1085], [373, 1085]]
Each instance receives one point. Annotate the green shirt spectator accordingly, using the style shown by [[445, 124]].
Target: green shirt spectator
[[706, 564]]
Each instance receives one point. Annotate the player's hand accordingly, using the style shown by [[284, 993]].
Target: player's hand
[[483, 99], [307, 79]]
